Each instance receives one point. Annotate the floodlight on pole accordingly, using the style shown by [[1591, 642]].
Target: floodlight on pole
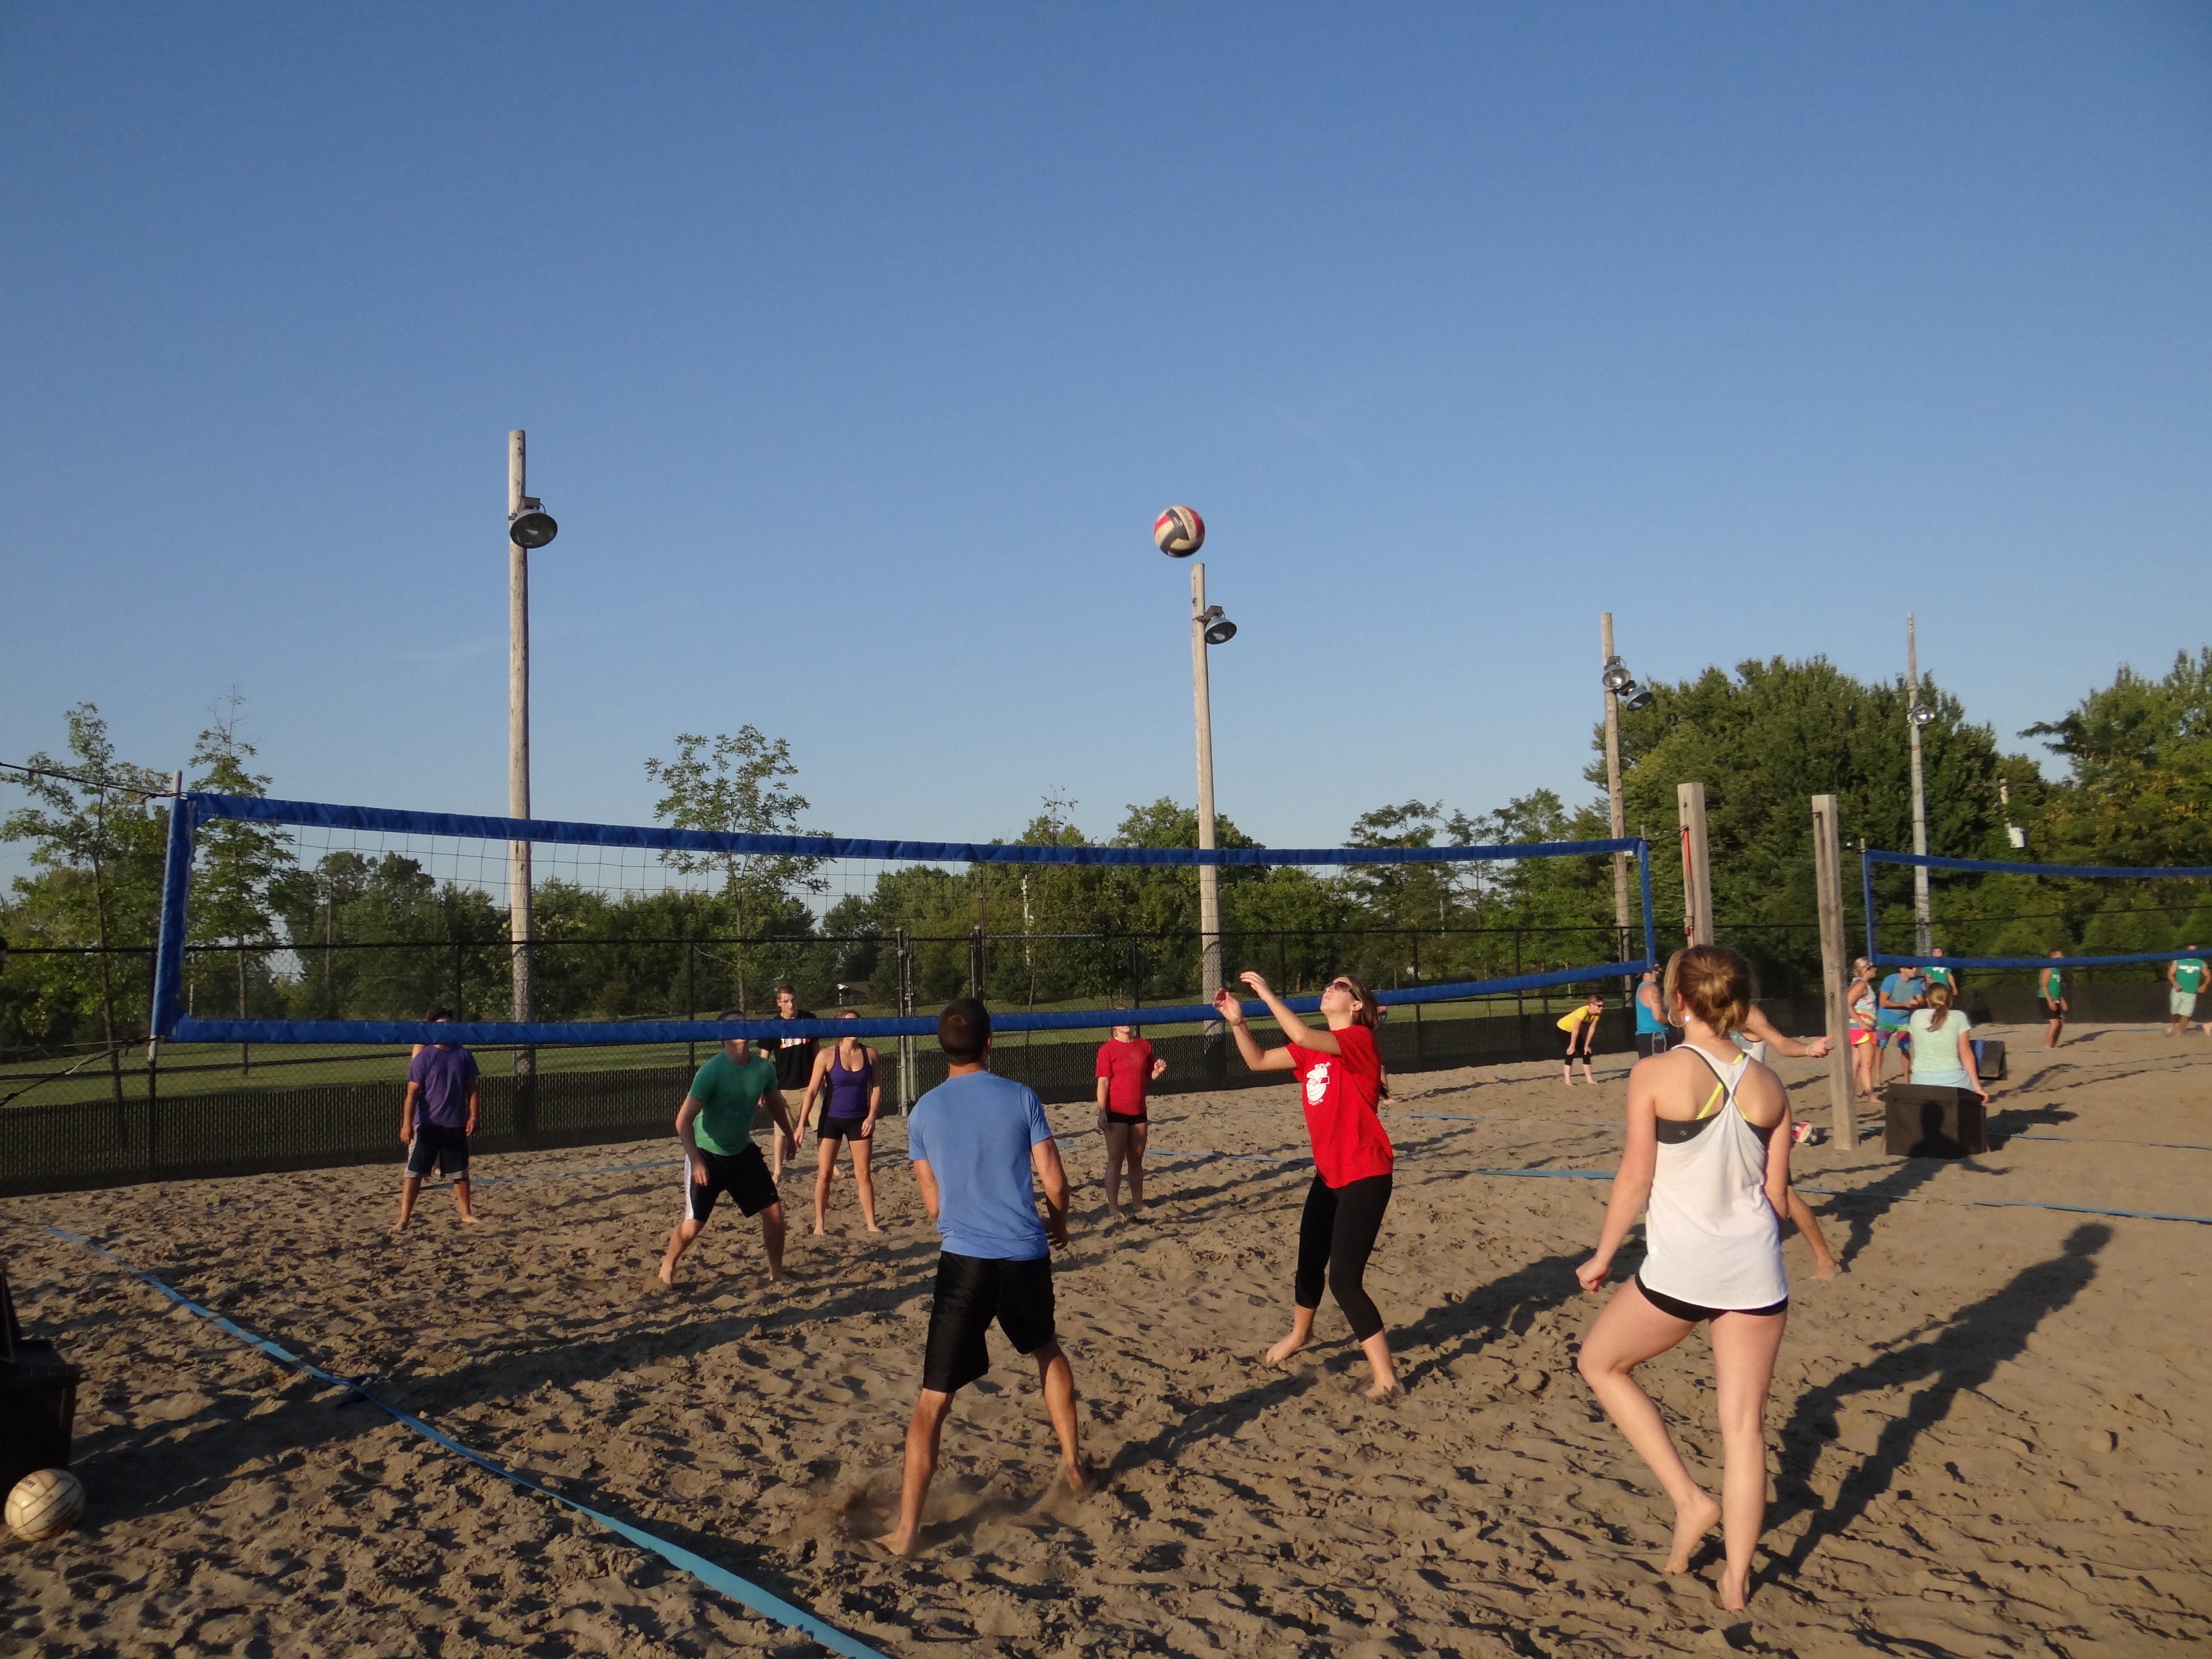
[[1922, 714], [530, 525], [1219, 630], [1619, 681]]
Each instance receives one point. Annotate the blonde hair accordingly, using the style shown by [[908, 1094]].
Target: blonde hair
[[1714, 984], [1939, 997]]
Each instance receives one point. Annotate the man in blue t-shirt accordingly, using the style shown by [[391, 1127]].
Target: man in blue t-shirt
[[437, 1116], [1894, 1001], [976, 1139]]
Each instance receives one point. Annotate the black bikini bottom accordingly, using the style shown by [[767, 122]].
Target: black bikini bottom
[[1675, 1308]]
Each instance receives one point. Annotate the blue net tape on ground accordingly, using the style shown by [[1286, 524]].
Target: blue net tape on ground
[[716, 1578]]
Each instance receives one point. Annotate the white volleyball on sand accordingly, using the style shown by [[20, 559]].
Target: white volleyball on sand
[[45, 1504], [1179, 532]]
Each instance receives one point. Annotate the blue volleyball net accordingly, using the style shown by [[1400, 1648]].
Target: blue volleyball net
[[640, 931], [1987, 914]]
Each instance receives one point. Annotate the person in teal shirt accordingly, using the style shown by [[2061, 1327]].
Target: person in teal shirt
[[2184, 978], [2051, 985], [714, 1128], [1651, 1028]]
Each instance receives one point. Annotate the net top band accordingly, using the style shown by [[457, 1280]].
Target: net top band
[[470, 827], [1934, 861]]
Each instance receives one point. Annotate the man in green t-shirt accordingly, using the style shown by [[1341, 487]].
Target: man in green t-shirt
[[714, 1126], [2184, 978], [2051, 985]]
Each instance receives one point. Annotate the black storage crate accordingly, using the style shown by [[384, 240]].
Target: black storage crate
[[38, 1400]]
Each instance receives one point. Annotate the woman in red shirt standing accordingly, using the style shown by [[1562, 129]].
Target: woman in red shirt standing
[[1340, 1076], [1126, 1069]]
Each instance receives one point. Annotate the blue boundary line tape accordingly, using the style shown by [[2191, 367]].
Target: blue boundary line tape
[[715, 1577], [2014, 1203]]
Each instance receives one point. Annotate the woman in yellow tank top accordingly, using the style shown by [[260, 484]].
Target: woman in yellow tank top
[[1581, 1026]]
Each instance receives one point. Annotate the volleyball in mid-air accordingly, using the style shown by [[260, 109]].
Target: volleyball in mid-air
[[1179, 532], [44, 1505]]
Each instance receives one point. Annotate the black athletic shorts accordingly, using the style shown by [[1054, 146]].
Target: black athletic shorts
[[1113, 1116], [972, 1291], [743, 1175], [841, 1128], [435, 1144], [1678, 1309], [1649, 1043]]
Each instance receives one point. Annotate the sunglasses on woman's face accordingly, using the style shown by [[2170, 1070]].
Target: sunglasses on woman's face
[[1339, 985]]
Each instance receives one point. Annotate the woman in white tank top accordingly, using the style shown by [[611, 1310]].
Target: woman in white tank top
[[1709, 1151]]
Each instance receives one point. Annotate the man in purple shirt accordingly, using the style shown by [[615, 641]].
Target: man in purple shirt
[[436, 1119]]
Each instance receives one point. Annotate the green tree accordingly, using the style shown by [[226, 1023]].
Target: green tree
[[1765, 741], [737, 784], [234, 861], [98, 832], [2140, 754]]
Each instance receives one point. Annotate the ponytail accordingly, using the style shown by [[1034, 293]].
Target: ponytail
[[1939, 997]]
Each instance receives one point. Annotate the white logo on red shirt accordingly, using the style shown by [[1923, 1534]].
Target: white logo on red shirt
[[1317, 1084]]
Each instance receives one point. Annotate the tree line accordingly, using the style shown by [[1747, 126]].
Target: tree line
[[350, 935]]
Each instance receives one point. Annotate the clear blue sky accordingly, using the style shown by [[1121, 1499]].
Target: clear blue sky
[[858, 346]]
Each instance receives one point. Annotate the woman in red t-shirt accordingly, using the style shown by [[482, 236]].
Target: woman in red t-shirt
[[1340, 1076], [1126, 1069]]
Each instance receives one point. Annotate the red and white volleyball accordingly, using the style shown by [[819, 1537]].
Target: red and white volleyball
[[1179, 532]]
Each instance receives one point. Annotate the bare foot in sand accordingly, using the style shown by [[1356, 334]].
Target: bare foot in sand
[[1081, 1481], [874, 1228], [1691, 1525], [1393, 1389], [471, 1220], [1733, 1592], [821, 1232], [900, 1544], [1283, 1349]]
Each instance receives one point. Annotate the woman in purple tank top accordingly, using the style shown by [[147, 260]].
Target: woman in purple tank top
[[846, 1073]]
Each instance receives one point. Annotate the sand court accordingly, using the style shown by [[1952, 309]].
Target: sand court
[[1990, 1436]]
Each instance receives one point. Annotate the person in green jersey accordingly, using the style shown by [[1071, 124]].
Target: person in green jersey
[[1937, 973], [2051, 985], [714, 1128], [2184, 978]]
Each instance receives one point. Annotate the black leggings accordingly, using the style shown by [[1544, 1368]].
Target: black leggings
[[1336, 1235]]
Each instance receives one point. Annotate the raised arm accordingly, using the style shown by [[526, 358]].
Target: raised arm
[[1295, 1031], [1255, 1057], [1760, 1029]]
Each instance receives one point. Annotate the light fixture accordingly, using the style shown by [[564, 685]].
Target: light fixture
[[531, 524], [1219, 630], [1618, 680], [1922, 714]]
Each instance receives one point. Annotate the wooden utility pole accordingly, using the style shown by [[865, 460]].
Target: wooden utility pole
[[1613, 784], [1923, 934], [1209, 878], [1828, 878], [518, 780], [1697, 868]]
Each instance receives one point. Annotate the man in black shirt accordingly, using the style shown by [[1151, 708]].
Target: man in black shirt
[[795, 1066]]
